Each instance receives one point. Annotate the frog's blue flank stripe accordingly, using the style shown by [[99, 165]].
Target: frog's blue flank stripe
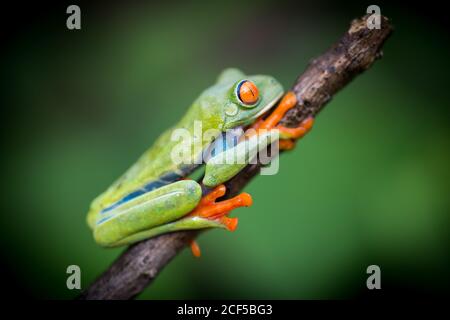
[[152, 185], [224, 142], [103, 220]]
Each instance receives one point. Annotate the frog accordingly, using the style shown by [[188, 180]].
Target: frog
[[155, 196]]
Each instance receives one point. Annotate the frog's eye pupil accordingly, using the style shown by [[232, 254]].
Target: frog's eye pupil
[[247, 92]]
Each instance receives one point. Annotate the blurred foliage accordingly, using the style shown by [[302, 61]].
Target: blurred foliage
[[369, 185]]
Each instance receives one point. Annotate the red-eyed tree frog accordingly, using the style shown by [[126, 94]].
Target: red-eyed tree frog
[[154, 197]]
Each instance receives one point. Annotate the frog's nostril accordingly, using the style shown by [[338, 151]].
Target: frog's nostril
[[231, 109]]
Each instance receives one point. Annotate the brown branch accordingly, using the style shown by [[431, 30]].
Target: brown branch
[[325, 76]]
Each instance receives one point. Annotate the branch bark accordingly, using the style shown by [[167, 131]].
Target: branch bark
[[354, 53]]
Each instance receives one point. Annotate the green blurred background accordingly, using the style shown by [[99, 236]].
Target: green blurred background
[[369, 185]]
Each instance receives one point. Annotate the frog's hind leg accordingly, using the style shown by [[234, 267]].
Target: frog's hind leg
[[203, 213], [147, 215]]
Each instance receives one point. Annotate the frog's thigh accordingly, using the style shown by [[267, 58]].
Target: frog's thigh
[[147, 211]]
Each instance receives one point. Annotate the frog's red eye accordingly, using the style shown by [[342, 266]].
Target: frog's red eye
[[247, 92]]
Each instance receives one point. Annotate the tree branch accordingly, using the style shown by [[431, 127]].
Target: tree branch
[[355, 52]]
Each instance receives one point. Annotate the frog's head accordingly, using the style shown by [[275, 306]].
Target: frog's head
[[241, 99], [249, 98]]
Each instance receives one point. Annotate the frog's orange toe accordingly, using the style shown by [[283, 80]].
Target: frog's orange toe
[[229, 223], [287, 144], [195, 249], [298, 132]]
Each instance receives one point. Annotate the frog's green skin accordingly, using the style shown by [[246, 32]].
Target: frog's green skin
[[148, 200]]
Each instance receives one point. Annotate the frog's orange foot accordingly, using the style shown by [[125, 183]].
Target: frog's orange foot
[[288, 101], [287, 135], [298, 132], [210, 209]]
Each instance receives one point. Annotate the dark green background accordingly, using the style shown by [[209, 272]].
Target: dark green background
[[369, 185]]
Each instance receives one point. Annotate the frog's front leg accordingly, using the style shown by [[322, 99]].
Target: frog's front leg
[[263, 132], [230, 162], [288, 136]]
